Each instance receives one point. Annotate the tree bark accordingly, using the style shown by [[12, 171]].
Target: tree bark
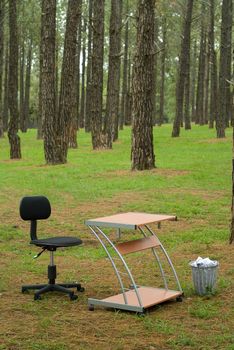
[[89, 69], [116, 120], [76, 113], [82, 100], [98, 139], [155, 81], [112, 101], [128, 100], [125, 71], [2, 11], [14, 140], [163, 62], [206, 81], [67, 89], [193, 83], [224, 70], [201, 71], [27, 85], [213, 69], [183, 69], [56, 72], [21, 87], [48, 88], [142, 152], [187, 120], [229, 65], [40, 122], [5, 98]]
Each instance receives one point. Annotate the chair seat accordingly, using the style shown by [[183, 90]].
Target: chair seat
[[55, 242]]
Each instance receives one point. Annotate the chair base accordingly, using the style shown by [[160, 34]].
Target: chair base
[[53, 287]]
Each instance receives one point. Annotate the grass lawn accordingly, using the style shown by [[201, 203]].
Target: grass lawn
[[192, 180]]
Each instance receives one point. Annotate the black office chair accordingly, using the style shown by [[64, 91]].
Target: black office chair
[[38, 208]]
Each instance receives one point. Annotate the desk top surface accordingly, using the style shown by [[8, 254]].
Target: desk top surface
[[129, 220]]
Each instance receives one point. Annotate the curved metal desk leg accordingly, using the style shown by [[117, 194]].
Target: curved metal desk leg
[[112, 262], [158, 261], [168, 259], [125, 265]]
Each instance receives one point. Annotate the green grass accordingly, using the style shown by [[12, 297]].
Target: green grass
[[192, 180]]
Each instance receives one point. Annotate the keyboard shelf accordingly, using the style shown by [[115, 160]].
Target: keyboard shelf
[[137, 245]]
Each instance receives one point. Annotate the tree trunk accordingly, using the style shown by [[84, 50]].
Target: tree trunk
[[14, 140], [2, 11], [213, 69], [193, 83], [112, 101], [201, 71], [155, 81], [40, 122], [206, 81], [128, 101], [56, 73], [82, 101], [224, 70], [27, 86], [5, 99], [67, 89], [163, 61], [76, 113], [125, 71], [98, 141], [48, 88], [187, 121], [89, 70], [142, 152], [118, 69], [183, 69], [21, 87], [229, 66]]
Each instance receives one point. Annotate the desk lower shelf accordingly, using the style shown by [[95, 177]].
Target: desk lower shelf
[[149, 297]]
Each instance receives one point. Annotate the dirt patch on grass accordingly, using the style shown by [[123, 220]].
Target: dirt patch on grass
[[216, 140], [158, 171], [206, 195]]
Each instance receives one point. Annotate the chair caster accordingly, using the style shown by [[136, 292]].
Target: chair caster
[[37, 297], [80, 289], [179, 299], [91, 308], [73, 296]]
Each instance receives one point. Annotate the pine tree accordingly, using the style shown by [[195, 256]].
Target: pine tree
[[14, 140], [142, 106], [183, 69]]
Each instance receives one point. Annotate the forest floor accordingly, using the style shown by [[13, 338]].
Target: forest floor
[[192, 180]]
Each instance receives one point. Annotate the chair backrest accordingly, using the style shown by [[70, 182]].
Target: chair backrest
[[35, 208]]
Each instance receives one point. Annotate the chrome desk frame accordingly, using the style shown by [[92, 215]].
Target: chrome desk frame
[[134, 298]]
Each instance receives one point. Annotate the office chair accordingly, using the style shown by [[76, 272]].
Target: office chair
[[38, 208]]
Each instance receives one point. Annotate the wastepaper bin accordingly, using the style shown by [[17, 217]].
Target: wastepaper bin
[[204, 278]]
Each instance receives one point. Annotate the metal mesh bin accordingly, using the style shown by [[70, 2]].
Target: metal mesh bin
[[204, 278]]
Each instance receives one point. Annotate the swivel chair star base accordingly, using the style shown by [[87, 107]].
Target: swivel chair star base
[[38, 208], [51, 286]]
